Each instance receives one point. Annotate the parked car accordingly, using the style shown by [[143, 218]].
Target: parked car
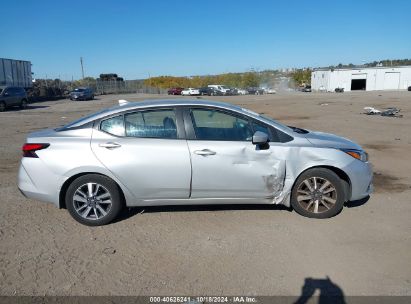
[[255, 91], [82, 94], [231, 92], [209, 91], [222, 88], [190, 92], [175, 91], [12, 97], [409, 88], [307, 89], [269, 91], [172, 152], [241, 92]]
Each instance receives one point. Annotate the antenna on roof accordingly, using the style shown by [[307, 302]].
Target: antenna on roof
[[122, 102]]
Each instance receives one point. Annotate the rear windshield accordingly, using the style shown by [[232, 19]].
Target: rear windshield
[[1, 90]]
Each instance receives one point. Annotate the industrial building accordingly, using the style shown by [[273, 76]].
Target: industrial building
[[366, 79], [15, 73]]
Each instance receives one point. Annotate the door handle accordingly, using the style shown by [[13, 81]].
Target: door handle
[[205, 152], [110, 145]]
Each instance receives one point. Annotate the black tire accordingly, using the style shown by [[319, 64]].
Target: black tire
[[322, 174], [2, 106], [108, 184], [23, 104]]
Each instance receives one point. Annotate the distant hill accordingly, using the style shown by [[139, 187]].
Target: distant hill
[[384, 63]]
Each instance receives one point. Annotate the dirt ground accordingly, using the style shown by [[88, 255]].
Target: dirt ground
[[229, 250]]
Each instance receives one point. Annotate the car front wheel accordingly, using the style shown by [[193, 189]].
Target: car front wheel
[[23, 104], [93, 200], [318, 193]]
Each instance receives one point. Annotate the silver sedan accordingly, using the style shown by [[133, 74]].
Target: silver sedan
[[170, 152]]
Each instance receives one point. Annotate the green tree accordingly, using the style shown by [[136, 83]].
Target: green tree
[[302, 76], [250, 79]]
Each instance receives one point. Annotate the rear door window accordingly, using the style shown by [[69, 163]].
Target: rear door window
[[152, 124], [114, 126]]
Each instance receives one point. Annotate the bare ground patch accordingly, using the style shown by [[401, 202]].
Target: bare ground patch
[[387, 183], [378, 147]]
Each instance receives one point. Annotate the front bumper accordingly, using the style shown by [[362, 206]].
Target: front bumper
[[77, 97], [361, 176]]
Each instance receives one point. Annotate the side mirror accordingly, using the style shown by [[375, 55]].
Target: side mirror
[[6, 94], [260, 138]]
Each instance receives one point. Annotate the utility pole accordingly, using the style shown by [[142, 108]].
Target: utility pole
[[82, 68]]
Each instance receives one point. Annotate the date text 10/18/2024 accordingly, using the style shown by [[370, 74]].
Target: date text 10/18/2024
[[204, 299]]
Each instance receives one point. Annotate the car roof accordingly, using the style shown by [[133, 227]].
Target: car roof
[[154, 103], [168, 103]]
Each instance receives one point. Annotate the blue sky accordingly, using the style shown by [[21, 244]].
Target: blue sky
[[136, 39]]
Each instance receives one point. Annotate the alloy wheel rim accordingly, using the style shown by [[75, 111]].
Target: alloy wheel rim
[[316, 195], [92, 201]]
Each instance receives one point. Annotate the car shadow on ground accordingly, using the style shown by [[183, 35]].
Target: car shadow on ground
[[329, 292], [29, 107], [357, 203], [130, 212], [82, 100]]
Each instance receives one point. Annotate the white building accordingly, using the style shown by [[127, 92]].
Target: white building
[[368, 79]]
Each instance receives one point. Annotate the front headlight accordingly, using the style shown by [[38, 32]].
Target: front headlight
[[358, 154]]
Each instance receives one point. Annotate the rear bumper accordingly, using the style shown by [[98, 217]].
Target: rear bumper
[[44, 190]]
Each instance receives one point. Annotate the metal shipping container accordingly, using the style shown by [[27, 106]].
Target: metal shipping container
[[15, 73]]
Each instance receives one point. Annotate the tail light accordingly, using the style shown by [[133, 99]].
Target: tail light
[[29, 150]]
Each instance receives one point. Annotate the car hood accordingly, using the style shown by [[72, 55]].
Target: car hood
[[328, 140]]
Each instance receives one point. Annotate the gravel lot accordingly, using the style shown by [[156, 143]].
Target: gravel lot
[[227, 250]]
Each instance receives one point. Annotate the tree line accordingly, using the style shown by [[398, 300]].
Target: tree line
[[240, 80]]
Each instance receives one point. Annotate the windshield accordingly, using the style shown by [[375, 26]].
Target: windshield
[[79, 90]]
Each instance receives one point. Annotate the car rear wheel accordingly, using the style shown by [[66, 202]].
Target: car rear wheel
[[318, 193], [93, 200], [2, 106]]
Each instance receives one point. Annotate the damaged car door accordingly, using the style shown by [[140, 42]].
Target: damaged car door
[[226, 164]]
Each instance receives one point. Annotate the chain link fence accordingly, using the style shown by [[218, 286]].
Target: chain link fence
[[101, 87], [48, 89]]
